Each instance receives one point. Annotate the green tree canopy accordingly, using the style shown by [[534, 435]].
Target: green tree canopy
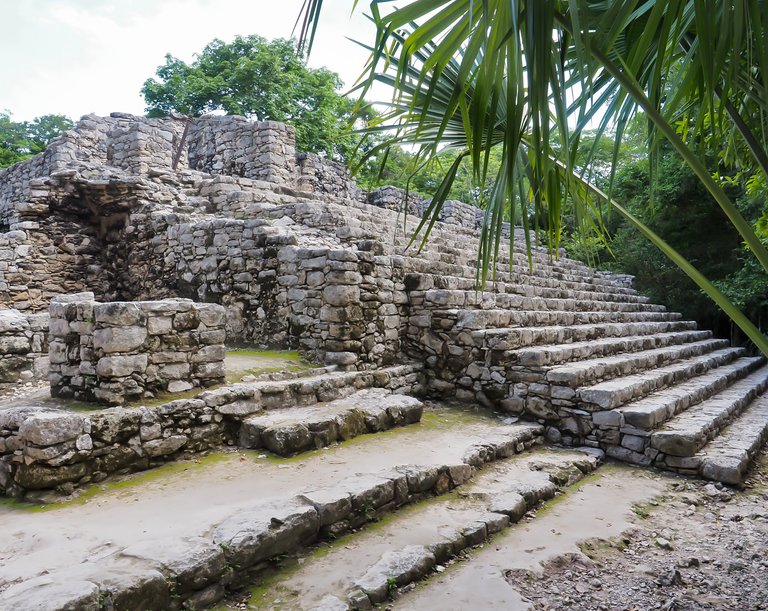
[[260, 79], [20, 140]]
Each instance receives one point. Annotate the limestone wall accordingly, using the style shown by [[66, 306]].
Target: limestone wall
[[23, 348], [326, 178], [392, 198], [261, 150], [122, 351]]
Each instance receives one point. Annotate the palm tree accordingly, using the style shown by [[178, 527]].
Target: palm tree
[[530, 75]]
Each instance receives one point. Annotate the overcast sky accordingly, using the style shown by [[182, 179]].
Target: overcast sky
[[74, 57]]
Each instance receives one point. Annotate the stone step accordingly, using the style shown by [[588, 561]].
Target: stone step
[[472, 320], [246, 398], [451, 279], [531, 282], [162, 564], [487, 300], [45, 449], [563, 353], [727, 458], [613, 393], [288, 431], [450, 240], [376, 224], [548, 285], [360, 570], [648, 413], [508, 340], [688, 432], [580, 373]]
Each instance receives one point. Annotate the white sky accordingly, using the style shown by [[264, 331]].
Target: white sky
[[74, 57]]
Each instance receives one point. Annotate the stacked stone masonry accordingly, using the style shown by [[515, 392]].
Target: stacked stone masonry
[[23, 347], [299, 256], [125, 351], [43, 448]]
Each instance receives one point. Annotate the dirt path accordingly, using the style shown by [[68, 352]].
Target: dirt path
[[624, 540], [601, 506]]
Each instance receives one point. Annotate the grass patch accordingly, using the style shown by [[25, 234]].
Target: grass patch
[[264, 362], [597, 549], [283, 355], [430, 419], [642, 510]]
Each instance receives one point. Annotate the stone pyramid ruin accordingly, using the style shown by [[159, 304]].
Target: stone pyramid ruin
[[133, 250]]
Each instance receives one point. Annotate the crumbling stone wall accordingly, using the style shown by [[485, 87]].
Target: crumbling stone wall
[[58, 208], [392, 198], [113, 217], [325, 177], [121, 351], [23, 347]]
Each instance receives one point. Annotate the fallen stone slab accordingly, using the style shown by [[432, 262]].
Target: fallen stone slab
[[293, 430]]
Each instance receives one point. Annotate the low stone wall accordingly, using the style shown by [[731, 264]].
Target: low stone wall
[[121, 351], [23, 347], [43, 449]]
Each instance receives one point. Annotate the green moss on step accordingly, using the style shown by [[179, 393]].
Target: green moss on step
[[443, 419], [127, 483], [268, 361], [271, 584], [283, 355]]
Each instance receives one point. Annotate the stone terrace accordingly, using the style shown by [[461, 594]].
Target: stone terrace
[[300, 257]]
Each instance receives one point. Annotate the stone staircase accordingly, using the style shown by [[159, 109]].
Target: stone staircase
[[594, 361], [549, 340]]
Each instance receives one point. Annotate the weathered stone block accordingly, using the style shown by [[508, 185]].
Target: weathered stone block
[[121, 366], [47, 429], [119, 339]]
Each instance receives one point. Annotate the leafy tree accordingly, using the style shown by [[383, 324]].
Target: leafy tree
[[400, 168], [264, 80], [472, 75], [689, 221], [18, 141]]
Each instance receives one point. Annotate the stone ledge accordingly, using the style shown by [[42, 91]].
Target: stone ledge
[[42, 449]]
